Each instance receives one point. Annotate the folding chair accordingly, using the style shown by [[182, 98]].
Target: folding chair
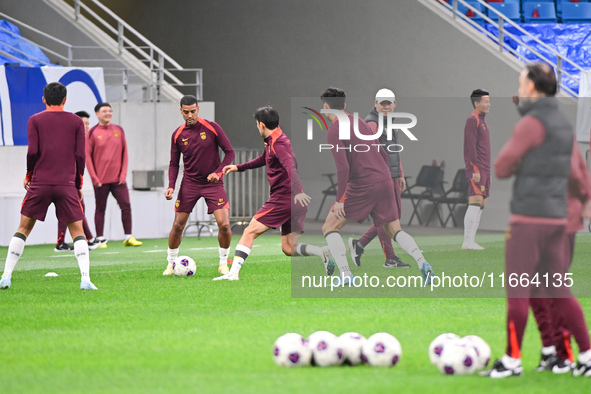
[[456, 195], [429, 179], [329, 191]]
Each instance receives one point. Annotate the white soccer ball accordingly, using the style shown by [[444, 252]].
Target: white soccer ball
[[326, 349], [291, 350], [184, 266], [436, 347], [351, 343], [483, 351], [458, 358], [381, 350]]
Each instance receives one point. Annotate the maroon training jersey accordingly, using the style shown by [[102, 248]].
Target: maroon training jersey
[[56, 152], [199, 145], [277, 156], [357, 167], [476, 144]]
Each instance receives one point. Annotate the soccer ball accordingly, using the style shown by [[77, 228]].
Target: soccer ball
[[381, 350], [482, 349], [184, 266], [458, 358], [436, 347], [326, 349], [352, 343], [291, 350]]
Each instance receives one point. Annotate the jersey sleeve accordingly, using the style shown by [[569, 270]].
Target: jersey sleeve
[[173, 166], [470, 137], [254, 163], [296, 183], [528, 133], [33, 148], [341, 162], [80, 154], [124, 158], [224, 143], [89, 152]]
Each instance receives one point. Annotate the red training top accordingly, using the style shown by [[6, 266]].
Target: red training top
[[106, 154]]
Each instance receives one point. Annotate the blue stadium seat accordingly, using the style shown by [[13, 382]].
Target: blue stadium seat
[[559, 5], [467, 11], [576, 12], [539, 13], [510, 10]]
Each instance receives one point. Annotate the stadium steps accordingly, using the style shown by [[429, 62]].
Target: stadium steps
[[118, 49]]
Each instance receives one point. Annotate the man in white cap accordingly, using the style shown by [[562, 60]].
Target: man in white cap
[[385, 102]]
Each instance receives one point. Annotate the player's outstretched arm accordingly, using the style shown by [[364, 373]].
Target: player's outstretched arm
[[228, 169]]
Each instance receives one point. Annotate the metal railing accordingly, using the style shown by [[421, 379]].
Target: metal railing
[[500, 24], [247, 191]]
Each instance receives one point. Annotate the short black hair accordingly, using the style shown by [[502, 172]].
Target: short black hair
[[334, 97], [101, 105], [543, 77], [268, 116], [83, 114], [476, 95], [189, 100], [54, 93]]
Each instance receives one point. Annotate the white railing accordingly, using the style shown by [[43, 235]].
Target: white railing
[[500, 24]]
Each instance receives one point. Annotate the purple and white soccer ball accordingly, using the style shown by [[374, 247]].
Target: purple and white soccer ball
[[458, 358], [184, 266], [437, 345], [326, 349], [351, 343], [381, 350], [482, 349], [291, 350]]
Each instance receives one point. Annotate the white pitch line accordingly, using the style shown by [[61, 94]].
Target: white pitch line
[[62, 255], [111, 253], [154, 251]]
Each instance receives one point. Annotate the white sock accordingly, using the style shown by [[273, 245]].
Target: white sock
[[101, 238], [83, 257], [127, 236], [471, 222], [408, 244], [477, 224], [15, 250], [585, 357], [224, 252], [240, 254], [339, 251], [307, 250], [546, 351], [172, 256], [510, 362]]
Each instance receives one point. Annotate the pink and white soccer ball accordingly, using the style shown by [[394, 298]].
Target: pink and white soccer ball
[[184, 266], [483, 351], [458, 358], [437, 345], [291, 350], [381, 350], [326, 349], [351, 343]]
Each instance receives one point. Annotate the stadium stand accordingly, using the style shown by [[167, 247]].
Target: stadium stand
[[539, 13], [16, 49], [510, 10], [576, 12]]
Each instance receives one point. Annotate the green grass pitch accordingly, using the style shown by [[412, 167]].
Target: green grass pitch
[[142, 332]]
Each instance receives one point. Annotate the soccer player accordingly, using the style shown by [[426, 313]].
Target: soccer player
[[199, 141], [278, 211], [106, 159], [539, 154], [93, 242], [55, 166], [477, 160], [385, 102], [365, 188]]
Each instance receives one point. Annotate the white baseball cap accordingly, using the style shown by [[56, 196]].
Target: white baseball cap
[[385, 95]]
